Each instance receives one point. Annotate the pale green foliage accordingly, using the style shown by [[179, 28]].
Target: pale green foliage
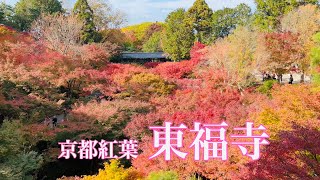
[[21, 166], [178, 38], [266, 87], [11, 138], [16, 162], [6, 15], [26, 11], [315, 60], [269, 11], [235, 54], [163, 175], [153, 44]]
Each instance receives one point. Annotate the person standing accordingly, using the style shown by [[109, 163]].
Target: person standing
[[54, 121], [291, 79], [280, 78], [264, 76], [268, 76]]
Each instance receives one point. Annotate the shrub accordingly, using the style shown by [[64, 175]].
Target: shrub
[[144, 85], [115, 171], [17, 161], [175, 70], [163, 175], [266, 87]]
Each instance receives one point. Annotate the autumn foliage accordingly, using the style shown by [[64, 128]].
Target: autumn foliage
[[99, 99]]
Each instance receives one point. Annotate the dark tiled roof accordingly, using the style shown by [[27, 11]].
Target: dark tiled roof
[[140, 55]]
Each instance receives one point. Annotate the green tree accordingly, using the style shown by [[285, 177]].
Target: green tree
[[135, 35], [178, 37], [153, 44], [7, 15], [26, 11], [268, 12], [227, 19], [315, 60], [200, 18], [16, 160], [85, 13], [1, 14]]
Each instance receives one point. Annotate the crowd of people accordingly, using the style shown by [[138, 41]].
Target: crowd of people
[[273, 76]]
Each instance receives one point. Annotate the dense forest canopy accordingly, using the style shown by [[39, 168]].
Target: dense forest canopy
[[233, 65]]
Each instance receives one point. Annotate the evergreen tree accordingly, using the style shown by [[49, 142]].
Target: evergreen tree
[[200, 18], [7, 15], [26, 11], [178, 37], [227, 19], [85, 13], [1, 15]]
